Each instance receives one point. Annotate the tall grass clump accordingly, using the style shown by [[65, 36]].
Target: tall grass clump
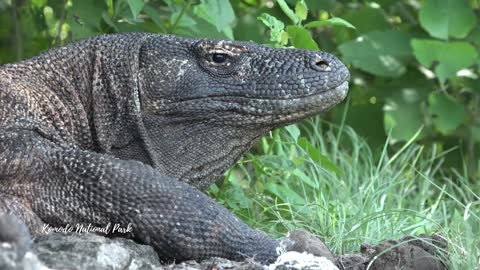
[[327, 180]]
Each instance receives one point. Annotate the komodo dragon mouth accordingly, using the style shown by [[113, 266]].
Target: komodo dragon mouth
[[266, 110]]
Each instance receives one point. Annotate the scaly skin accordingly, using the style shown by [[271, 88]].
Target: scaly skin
[[129, 128]]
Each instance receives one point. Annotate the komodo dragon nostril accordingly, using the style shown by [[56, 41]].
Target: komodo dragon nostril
[[320, 64]]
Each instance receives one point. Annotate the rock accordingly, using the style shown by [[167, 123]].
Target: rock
[[352, 262], [435, 244], [15, 232], [293, 260], [402, 255], [409, 253], [301, 240], [216, 264], [9, 259], [90, 251]]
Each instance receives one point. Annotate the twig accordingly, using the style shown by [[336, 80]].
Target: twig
[[471, 162], [18, 32], [182, 12], [58, 39]]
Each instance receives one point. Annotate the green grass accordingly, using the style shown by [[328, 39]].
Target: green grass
[[331, 183]]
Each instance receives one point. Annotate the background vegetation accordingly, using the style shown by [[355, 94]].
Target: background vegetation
[[400, 156]]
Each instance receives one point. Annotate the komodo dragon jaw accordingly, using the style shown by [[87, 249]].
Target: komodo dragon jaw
[[119, 128]]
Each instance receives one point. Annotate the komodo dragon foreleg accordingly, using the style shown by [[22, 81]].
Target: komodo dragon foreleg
[[74, 186]]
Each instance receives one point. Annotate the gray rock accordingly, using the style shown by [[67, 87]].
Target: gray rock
[[13, 231], [301, 240], [401, 255], [352, 262], [90, 251], [9, 259], [293, 260]]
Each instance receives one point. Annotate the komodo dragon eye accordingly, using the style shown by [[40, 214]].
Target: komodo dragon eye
[[219, 58]]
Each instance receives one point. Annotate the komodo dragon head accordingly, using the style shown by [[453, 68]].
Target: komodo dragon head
[[203, 103]]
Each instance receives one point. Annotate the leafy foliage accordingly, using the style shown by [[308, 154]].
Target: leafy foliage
[[447, 18], [380, 53]]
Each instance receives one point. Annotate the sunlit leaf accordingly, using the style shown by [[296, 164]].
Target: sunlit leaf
[[330, 22], [449, 57], [316, 156], [301, 10], [403, 115], [301, 38], [277, 33], [135, 6], [379, 53], [447, 18], [217, 12], [447, 113]]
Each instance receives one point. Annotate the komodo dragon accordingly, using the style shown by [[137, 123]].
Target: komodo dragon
[[129, 128]]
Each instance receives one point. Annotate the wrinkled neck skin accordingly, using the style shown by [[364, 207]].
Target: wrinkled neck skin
[[198, 153]]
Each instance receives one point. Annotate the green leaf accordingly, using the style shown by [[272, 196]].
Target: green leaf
[[293, 131], [288, 11], [447, 18], [277, 162], [446, 112], [306, 179], [450, 56], [474, 36], [48, 15], [217, 12], [476, 133], [110, 7], [367, 19], [379, 53], [285, 193], [317, 5], [222, 11], [108, 20], [135, 6], [330, 22], [301, 10], [403, 116], [301, 38], [84, 17], [277, 34], [154, 16], [317, 157], [39, 3]]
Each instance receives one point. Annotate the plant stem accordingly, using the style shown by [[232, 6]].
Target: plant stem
[[18, 32], [182, 12], [286, 9], [58, 39], [471, 162]]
